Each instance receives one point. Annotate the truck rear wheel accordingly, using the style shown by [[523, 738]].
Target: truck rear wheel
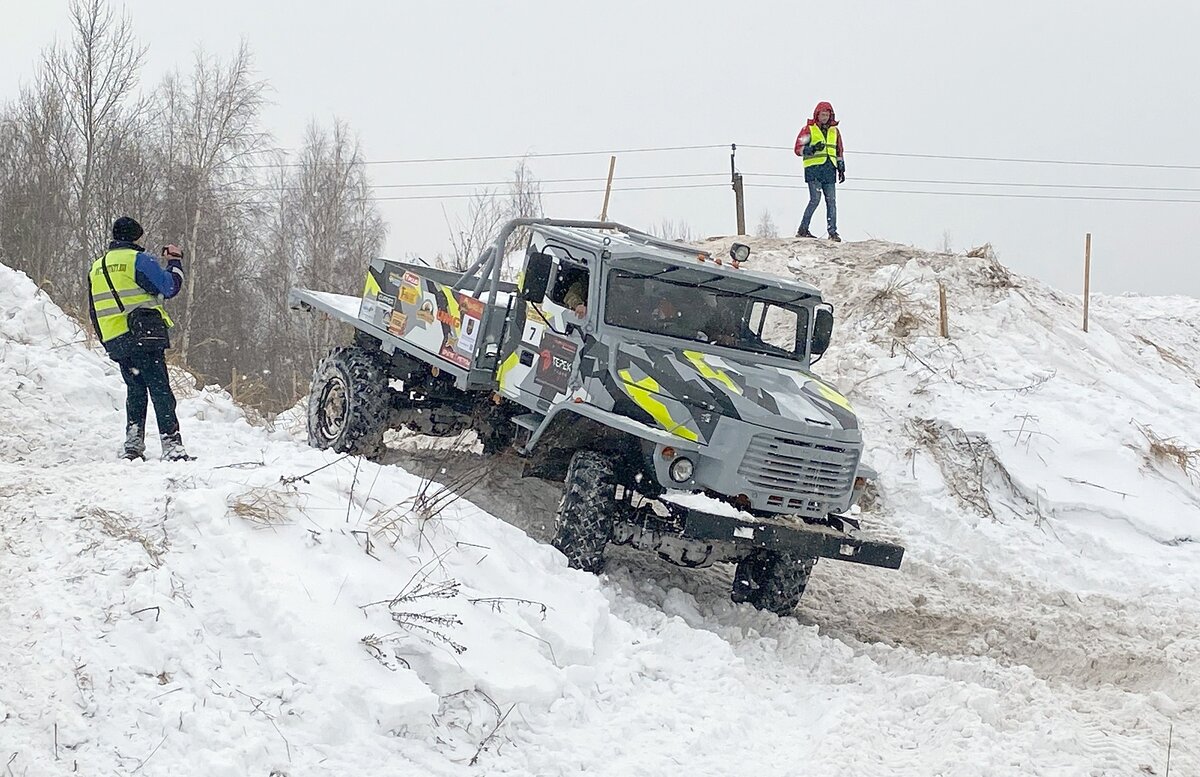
[[772, 580], [348, 404], [584, 522]]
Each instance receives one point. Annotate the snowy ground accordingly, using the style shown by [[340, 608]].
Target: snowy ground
[[272, 609]]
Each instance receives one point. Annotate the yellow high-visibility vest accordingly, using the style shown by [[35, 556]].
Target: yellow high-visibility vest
[[114, 321], [830, 136]]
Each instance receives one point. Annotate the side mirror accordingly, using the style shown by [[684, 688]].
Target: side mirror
[[822, 330], [536, 279]]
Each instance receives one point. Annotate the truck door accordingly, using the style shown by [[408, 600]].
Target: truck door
[[539, 361]]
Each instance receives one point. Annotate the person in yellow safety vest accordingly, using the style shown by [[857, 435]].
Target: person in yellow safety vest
[[128, 287], [820, 145]]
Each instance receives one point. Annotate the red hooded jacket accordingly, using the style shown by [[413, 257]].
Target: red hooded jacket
[[805, 135]]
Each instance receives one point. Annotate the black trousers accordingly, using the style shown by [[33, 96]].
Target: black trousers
[[146, 372]]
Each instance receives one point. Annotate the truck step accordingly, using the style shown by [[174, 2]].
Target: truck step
[[529, 421]]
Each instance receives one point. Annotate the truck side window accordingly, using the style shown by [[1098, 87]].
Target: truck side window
[[777, 326], [570, 287]]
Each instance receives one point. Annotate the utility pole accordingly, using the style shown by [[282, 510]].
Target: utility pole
[[1087, 277], [612, 165], [739, 198]]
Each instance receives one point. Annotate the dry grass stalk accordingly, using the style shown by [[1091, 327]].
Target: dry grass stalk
[[1169, 450], [264, 506], [968, 462], [122, 527], [432, 497]]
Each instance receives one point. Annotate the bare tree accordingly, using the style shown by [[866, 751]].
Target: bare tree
[[670, 229], [35, 191], [322, 235], [489, 210], [766, 226], [91, 80], [469, 235], [209, 136]]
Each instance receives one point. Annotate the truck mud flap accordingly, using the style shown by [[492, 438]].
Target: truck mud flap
[[801, 538]]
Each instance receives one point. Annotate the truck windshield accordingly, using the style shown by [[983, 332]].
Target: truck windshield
[[705, 315]]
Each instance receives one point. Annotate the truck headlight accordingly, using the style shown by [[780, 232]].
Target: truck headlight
[[681, 470]]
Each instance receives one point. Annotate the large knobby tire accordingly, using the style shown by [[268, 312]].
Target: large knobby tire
[[349, 404], [772, 580], [584, 522]]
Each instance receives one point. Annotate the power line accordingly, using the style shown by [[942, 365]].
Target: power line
[[453, 184], [725, 146], [501, 157], [1145, 165], [559, 191], [668, 187], [997, 183], [802, 188], [1008, 195]]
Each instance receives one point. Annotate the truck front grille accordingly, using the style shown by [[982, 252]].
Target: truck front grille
[[808, 476]]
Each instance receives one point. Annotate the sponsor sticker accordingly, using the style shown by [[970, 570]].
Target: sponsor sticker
[[397, 323], [556, 356], [425, 313], [449, 353], [469, 334], [410, 295]]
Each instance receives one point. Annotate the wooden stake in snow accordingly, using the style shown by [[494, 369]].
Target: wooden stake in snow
[[1087, 277], [612, 165], [943, 321]]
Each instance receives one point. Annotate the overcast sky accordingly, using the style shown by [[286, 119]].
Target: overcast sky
[[1091, 81]]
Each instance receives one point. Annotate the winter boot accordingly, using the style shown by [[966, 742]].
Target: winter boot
[[172, 448], [802, 232], [835, 237], [135, 442]]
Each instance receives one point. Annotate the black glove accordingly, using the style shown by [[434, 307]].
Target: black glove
[[841, 176], [818, 147]]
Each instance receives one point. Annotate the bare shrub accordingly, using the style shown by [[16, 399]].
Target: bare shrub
[[1169, 450], [891, 306], [970, 467], [433, 628], [123, 527], [265, 506]]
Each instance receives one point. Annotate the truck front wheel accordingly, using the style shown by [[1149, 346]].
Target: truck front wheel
[[348, 404], [772, 580], [584, 522]]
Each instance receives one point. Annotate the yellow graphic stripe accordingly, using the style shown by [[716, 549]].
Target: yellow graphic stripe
[[643, 392], [830, 393], [505, 368], [372, 288], [451, 301], [706, 370]]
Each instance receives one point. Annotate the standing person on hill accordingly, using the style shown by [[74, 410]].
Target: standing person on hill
[[820, 145], [128, 287]]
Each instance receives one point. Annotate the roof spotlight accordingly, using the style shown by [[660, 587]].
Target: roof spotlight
[[739, 252]]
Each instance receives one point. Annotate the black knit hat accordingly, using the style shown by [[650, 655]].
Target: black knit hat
[[126, 230]]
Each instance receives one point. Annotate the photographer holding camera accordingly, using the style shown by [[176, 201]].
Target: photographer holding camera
[[128, 287]]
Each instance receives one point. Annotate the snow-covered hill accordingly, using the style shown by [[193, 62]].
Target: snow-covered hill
[[272, 609]]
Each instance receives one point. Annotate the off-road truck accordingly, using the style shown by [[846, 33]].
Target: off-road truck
[[669, 389]]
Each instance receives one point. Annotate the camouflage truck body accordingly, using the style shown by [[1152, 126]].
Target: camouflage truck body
[[693, 370]]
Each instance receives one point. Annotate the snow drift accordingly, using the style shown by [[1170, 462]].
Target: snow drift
[[272, 609]]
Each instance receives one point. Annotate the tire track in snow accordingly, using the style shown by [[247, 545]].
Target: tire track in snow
[[1101, 661]]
